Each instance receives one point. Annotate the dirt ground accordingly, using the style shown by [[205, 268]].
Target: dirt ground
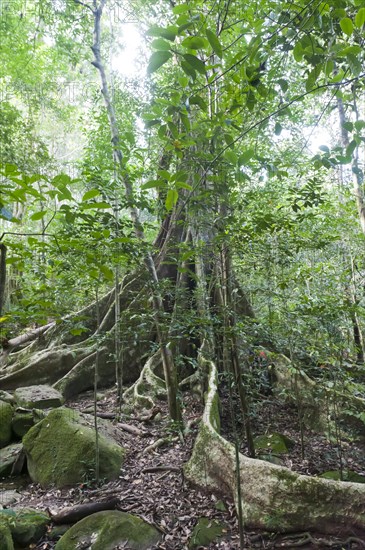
[[152, 484]]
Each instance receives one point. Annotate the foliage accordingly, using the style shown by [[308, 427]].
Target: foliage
[[219, 123]]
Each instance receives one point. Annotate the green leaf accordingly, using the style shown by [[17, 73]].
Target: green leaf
[[274, 442], [360, 17], [165, 174], [214, 42], [195, 63], [107, 272], [194, 42], [180, 175], [354, 64], [38, 215], [182, 8], [351, 148], [197, 100], [188, 69], [359, 125], [90, 194], [313, 77], [183, 185], [284, 85], [165, 32], [171, 199], [151, 123], [298, 52], [11, 170], [231, 157], [246, 156], [95, 205], [160, 44], [61, 179], [157, 59], [153, 184], [186, 122], [347, 26], [329, 67]]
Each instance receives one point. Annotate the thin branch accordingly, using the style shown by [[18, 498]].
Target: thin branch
[[85, 5]]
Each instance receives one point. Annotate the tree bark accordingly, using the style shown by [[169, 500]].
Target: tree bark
[[2, 275]]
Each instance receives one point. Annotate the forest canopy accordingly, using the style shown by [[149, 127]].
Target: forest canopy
[[249, 116]]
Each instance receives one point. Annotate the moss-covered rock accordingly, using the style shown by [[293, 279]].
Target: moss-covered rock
[[38, 397], [8, 456], [6, 542], [57, 531], [205, 532], [61, 450], [6, 414], [24, 419], [26, 525], [106, 530], [7, 397]]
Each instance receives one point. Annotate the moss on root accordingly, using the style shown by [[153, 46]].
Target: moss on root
[[273, 497]]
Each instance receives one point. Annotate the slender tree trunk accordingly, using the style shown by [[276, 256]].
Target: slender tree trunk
[[158, 308], [358, 181], [357, 176], [2, 275], [235, 362]]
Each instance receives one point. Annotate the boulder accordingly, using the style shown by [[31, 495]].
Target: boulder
[[5, 537], [6, 414], [9, 497], [206, 531], [61, 450], [108, 530], [38, 397], [6, 396], [8, 457], [26, 525], [24, 419]]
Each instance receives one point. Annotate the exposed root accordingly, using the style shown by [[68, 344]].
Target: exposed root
[[273, 498], [159, 443], [132, 430], [304, 539], [148, 387], [56, 356]]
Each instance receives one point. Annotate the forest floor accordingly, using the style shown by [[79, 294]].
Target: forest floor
[[309, 453], [152, 484]]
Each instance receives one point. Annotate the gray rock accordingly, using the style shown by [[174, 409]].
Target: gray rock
[[9, 497], [38, 397], [8, 457]]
